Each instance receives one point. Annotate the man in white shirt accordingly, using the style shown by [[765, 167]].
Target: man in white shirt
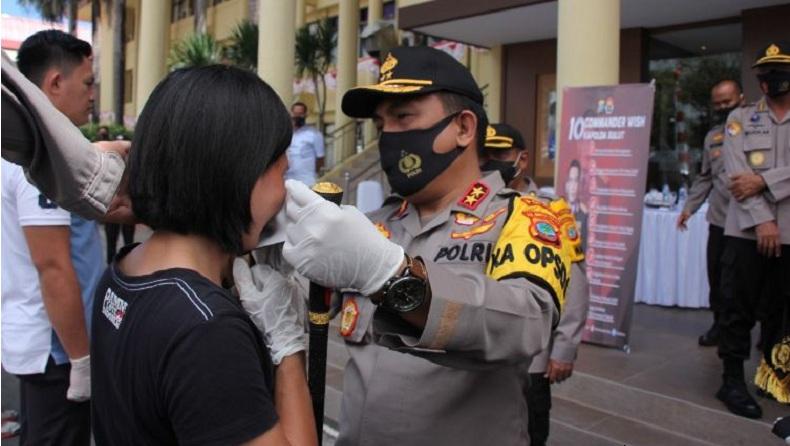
[[306, 152], [51, 263]]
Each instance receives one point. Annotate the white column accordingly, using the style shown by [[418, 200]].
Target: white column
[[588, 47], [152, 49], [277, 22], [347, 50], [375, 10], [300, 5]]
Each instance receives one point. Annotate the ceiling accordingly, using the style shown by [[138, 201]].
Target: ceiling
[[706, 40], [539, 22]]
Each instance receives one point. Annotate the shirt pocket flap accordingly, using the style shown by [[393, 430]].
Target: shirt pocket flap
[[759, 151]]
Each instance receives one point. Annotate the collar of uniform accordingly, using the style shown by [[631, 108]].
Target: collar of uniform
[[761, 106], [532, 187], [494, 185]]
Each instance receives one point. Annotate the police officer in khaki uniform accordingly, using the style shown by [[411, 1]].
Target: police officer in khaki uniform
[[438, 352], [757, 251], [711, 184], [506, 154]]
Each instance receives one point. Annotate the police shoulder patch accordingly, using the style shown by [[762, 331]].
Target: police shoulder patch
[[734, 128], [530, 246], [383, 230], [348, 317]]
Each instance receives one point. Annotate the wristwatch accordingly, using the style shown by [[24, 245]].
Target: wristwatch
[[406, 291]]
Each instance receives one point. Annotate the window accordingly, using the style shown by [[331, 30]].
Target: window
[[129, 22], [181, 10], [682, 114]]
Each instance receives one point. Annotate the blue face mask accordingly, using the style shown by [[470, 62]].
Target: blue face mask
[[408, 159]]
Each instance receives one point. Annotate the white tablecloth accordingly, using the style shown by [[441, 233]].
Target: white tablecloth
[[672, 264]]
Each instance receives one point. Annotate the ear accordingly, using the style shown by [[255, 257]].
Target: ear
[[52, 83], [523, 160], [467, 126]]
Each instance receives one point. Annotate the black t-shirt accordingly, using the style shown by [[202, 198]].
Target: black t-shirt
[[175, 360]]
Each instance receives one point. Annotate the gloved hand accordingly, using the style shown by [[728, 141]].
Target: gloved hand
[[336, 246], [79, 380], [276, 306]]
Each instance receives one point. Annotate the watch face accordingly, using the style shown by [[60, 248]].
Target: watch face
[[405, 294]]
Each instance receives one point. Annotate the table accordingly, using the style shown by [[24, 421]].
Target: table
[[672, 267]]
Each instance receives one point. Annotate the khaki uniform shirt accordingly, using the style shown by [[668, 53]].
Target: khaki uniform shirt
[[459, 381], [564, 343], [756, 141], [56, 157], [712, 180]]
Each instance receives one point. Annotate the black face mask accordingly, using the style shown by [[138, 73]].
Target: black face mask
[[408, 158], [721, 114], [298, 121], [506, 168], [778, 82]]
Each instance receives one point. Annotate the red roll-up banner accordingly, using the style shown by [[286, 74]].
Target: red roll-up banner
[[602, 170]]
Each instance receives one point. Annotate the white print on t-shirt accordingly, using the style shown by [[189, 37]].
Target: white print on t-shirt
[[114, 308]]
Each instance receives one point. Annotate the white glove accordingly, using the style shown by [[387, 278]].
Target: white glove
[[336, 246], [79, 380], [276, 306]]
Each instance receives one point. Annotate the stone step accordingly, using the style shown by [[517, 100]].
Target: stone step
[[574, 423], [658, 411]]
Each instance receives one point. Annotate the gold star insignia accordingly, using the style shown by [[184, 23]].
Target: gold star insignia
[[470, 200], [478, 191]]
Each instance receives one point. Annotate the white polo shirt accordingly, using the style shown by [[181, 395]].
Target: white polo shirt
[[27, 332], [307, 144]]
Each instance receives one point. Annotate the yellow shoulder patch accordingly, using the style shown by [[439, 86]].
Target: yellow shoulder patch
[[569, 230], [530, 246]]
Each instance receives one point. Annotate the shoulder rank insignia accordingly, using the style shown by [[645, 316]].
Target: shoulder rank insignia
[[383, 230], [401, 212], [734, 128], [530, 247], [348, 317], [474, 196], [486, 224]]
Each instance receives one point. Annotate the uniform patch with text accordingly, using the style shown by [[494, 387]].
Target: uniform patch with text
[[473, 252], [529, 246]]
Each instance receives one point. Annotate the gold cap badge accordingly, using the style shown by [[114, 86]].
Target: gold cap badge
[[387, 67], [772, 50]]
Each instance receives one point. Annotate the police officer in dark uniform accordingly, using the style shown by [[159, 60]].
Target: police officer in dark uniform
[[757, 251], [711, 184]]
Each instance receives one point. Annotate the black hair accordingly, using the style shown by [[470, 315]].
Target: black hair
[[454, 102], [50, 48], [301, 104], [204, 138]]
